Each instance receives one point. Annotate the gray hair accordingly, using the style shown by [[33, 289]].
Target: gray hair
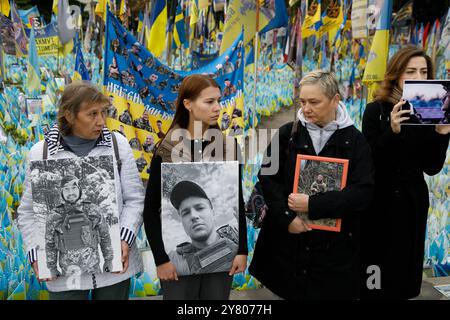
[[325, 80]]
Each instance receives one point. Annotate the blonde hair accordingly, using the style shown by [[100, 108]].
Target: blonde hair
[[325, 80], [75, 95]]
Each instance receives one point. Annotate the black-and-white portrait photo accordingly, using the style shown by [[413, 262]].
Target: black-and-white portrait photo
[[199, 215], [76, 214]]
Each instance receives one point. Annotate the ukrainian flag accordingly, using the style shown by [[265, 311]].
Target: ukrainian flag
[[158, 21], [179, 31], [377, 59], [312, 18], [140, 21], [81, 72], [238, 17], [34, 74]]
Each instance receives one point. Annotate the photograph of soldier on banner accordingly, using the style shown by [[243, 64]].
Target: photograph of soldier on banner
[[143, 90], [199, 220], [76, 214]]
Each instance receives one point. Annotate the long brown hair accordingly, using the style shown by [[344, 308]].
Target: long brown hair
[[190, 89], [397, 66]]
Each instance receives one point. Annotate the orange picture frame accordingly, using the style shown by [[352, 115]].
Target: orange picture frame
[[338, 178]]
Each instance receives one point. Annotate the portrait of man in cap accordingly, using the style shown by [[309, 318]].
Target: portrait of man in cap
[[210, 249]]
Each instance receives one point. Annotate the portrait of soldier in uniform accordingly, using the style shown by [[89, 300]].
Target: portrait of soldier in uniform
[[209, 249], [318, 186], [143, 122], [225, 121], [135, 144], [199, 220], [76, 215], [112, 110], [74, 230], [149, 144], [160, 133], [141, 163], [125, 117]]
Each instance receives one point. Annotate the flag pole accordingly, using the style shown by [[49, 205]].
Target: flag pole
[[57, 55], [298, 61], [255, 64]]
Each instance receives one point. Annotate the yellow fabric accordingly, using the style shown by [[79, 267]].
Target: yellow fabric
[[66, 48], [194, 13], [239, 16], [377, 59], [308, 26], [55, 7], [203, 4], [5, 7], [157, 33]]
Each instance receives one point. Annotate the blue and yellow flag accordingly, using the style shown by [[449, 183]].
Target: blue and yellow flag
[[140, 21], [242, 15], [377, 59], [81, 72], [312, 19], [151, 87], [334, 16], [179, 30], [280, 19], [158, 22], [34, 74]]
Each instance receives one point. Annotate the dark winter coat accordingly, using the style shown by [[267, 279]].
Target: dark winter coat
[[316, 264], [395, 237]]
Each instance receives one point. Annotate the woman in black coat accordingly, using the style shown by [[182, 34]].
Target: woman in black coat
[[395, 240], [291, 259]]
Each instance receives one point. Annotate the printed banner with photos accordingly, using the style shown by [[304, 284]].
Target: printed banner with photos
[[143, 90], [200, 221], [47, 41], [76, 214]]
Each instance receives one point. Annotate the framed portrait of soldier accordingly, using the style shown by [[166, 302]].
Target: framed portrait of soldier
[[76, 216], [200, 206], [315, 175]]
